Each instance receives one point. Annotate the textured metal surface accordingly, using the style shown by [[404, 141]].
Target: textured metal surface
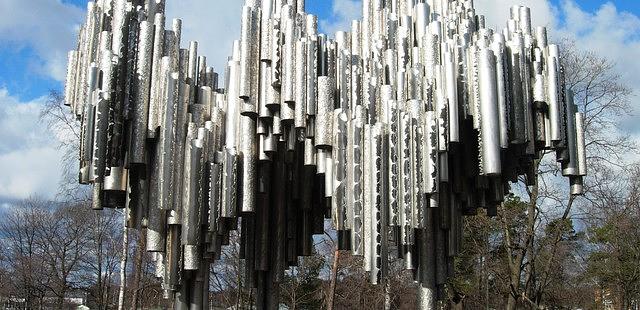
[[324, 116], [395, 129]]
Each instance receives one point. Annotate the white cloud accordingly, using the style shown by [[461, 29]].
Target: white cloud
[[612, 34], [607, 31], [215, 24], [5, 206], [342, 13], [217, 28], [497, 12], [49, 27], [29, 159], [14, 117], [35, 170]]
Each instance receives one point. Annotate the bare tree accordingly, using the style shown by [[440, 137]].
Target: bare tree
[[123, 263], [534, 240], [602, 96], [614, 263], [23, 256], [101, 262], [63, 237], [65, 128], [138, 262], [302, 286], [228, 277], [50, 248]]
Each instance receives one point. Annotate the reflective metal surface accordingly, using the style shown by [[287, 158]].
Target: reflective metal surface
[[416, 116]]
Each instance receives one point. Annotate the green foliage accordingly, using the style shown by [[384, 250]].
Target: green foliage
[[482, 264], [615, 261]]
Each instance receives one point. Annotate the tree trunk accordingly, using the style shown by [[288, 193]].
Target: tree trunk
[[123, 262], [387, 295], [137, 276], [334, 279], [99, 294], [529, 245], [457, 306], [511, 302], [485, 273], [525, 250], [239, 299], [106, 297], [61, 300]]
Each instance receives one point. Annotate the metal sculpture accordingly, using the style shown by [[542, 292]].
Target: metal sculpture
[[394, 131]]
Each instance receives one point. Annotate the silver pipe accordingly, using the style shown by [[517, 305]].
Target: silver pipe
[[248, 149], [580, 140], [367, 201], [489, 137], [553, 92], [363, 125], [379, 255], [158, 52], [570, 167], [137, 154], [300, 113], [395, 142], [324, 119], [339, 152]]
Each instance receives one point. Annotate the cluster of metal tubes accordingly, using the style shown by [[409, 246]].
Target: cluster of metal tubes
[[395, 130]]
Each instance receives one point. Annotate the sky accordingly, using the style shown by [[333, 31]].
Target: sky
[[36, 35]]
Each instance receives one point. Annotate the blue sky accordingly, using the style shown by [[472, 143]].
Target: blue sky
[[35, 36], [21, 67], [632, 6], [22, 75]]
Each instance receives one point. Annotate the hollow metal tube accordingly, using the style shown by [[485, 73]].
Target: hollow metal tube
[[498, 50], [379, 258], [430, 162], [166, 146], [489, 137], [156, 234], [119, 29], [300, 116], [232, 120], [367, 205], [324, 117], [247, 19], [395, 171], [570, 167], [191, 217], [452, 96], [88, 128], [417, 153], [102, 121], [406, 205], [580, 140], [553, 94], [180, 137], [229, 183], [155, 100], [289, 62], [248, 149], [137, 153], [356, 182], [339, 183], [70, 81]]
